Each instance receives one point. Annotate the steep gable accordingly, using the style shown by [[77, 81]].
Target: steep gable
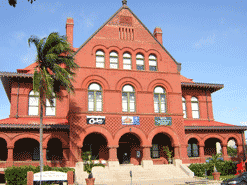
[[125, 27]]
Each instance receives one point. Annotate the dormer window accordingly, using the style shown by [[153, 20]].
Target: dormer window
[[127, 61], [152, 63], [140, 62], [114, 60], [100, 59]]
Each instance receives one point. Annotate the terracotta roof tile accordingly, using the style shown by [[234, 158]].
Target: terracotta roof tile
[[205, 123], [184, 79]]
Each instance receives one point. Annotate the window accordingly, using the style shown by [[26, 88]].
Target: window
[[184, 107], [33, 104], [139, 62], [50, 109], [152, 63], [155, 151], [94, 97], [159, 100], [113, 60], [100, 59], [128, 99], [192, 149], [126, 61], [195, 107]]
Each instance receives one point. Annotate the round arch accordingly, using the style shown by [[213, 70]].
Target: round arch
[[22, 136], [128, 80], [169, 131], [95, 129], [114, 48], [159, 82], [155, 52], [238, 141], [188, 137], [134, 130], [47, 139], [95, 79], [10, 144], [99, 47], [222, 140]]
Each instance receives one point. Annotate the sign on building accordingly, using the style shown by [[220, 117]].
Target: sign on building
[[99, 120], [130, 120], [163, 121], [50, 176]]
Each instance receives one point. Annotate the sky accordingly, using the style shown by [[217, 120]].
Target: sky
[[208, 37]]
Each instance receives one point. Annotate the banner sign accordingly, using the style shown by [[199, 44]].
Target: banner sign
[[99, 120], [50, 176], [163, 121], [130, 120]]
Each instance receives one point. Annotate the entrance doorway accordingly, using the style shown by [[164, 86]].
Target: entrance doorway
[[126, 150]]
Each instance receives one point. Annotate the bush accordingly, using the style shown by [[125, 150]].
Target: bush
[[18, 175]]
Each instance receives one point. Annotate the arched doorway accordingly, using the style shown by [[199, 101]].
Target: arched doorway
[[159, 141], [4, 150], [129, 149], [97, 144], [211, 146], [54, 150], [26, 149]]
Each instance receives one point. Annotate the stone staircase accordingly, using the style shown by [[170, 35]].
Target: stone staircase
[[121, 175]]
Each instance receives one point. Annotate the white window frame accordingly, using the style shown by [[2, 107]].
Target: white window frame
[[100, 54], [152, 62], [195, 101], [114, 55], [31, 107], [49, 107], [127, 56], [140, 57], [184, 107], [96, 93], [160, 104], [129, 94]]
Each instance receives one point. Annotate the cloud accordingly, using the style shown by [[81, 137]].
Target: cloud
[[204, 42]]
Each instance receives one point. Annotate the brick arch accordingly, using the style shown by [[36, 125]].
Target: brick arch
[[159, 82], [95, 129], [139, 133], [7, 139], [95, 79], [188, 137], [47, 139], [113, 48], [155, 52], [98, 47], [23, 136], [140, 50], [127, 50], [214, 136], [128, 80], [238, 141], [166, 130]]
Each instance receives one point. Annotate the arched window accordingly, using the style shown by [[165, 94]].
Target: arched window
[[126, 61], [159, 100], [192, 149], [128, 99], [50, 109], [139, 62], [113, 60], [94, 97], [152, 63], [33, 104], [184, 107], [195, 107], [100, 59]]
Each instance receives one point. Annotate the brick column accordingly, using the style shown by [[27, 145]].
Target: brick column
[[79, 155], [188, 106], [44, 156], [146, 153], [201, 154], [224, 152], [113, 153], [70, 177], [30, 178], [176, 152], [10, 156]]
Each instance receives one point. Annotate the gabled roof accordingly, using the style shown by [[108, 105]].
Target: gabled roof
[[210, 125], [126, 7]]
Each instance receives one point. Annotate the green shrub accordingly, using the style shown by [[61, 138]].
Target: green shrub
[[18, 175]]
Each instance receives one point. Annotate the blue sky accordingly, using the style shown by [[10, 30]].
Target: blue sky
[[208, 37]]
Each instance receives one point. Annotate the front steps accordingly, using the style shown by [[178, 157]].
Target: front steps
[[121, 175]]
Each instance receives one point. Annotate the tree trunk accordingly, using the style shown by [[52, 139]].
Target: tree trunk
[[41, 135]]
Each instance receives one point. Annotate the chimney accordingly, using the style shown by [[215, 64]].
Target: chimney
[[69, 30], [158, 34]]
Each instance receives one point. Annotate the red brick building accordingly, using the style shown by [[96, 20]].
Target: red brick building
[[130, 100]]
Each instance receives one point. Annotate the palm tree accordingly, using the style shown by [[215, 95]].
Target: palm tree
[[55, 65]]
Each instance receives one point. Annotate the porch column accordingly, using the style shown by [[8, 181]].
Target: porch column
[[201, 154], [79, 155], [224, 151], [113, 160], [10, 160], [176, 152], [147, 161]]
